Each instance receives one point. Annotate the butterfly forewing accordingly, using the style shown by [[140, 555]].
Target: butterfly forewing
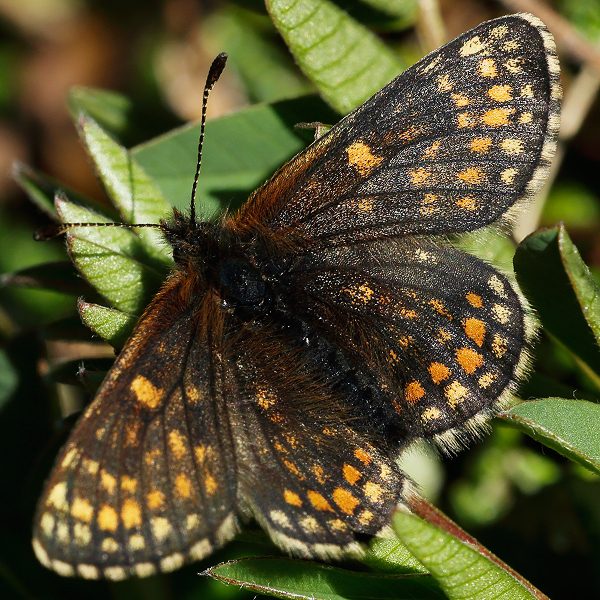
[[448, 146], [147, 480]]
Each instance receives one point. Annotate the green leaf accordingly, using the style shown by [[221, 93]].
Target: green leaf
[[346, 62], [390, 555], [571, 427], [110, 324], [491, 245], [109, 109], [406, 10], [563, 291], [461, 571], [286, 578], [266, 68], [57, 276], [240, 152], [112, 259], [132, 191], [42, 189], [9, 378]]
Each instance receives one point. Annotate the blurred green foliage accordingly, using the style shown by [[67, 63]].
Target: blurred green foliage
[[527, 502]]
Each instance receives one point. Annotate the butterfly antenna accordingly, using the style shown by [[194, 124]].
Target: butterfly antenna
[[213, 76]]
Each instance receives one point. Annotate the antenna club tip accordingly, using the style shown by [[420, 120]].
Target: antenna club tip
[[215, 70]]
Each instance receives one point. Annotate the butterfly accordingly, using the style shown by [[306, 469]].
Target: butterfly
[[301, 343]]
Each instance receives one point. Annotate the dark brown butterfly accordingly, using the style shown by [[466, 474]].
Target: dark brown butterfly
[[300, 344]]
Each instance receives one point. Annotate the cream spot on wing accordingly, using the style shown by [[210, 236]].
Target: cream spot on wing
[[160, 527], [200, 549], [431, 413], [373, 491], [192, 521], [279, 517], [47, 523], [502, 313], [472, 46], [144, 569], [62, 532], [487, 68], [88, 571], [512, 146], [82, 509], [170, 563], [91, 466], [58, 496], [109, 545], [82, 534], [508, 175], [68, 459], [456, 393], [137, 542], [310, 525]]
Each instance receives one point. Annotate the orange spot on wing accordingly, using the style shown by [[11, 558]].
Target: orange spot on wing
[[108, 520], [497, 117], [419, 176], [318, 501], [414, 391], [183, 485], [362, 159], [475, 329], [469, 360], [351, 474], [345, 500], [146, 392], [474, 300], [481, 145], [292, 498], [155, 499], [177, 443], [500, 93], [471, 175], [131, 514], [363, 456], [438, 372]]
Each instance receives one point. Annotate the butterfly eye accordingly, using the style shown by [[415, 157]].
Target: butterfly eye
[[244, 287]]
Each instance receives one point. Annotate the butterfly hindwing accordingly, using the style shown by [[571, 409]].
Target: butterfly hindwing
[[448, 146], [444, 330], [147, 480], [313, 481]]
